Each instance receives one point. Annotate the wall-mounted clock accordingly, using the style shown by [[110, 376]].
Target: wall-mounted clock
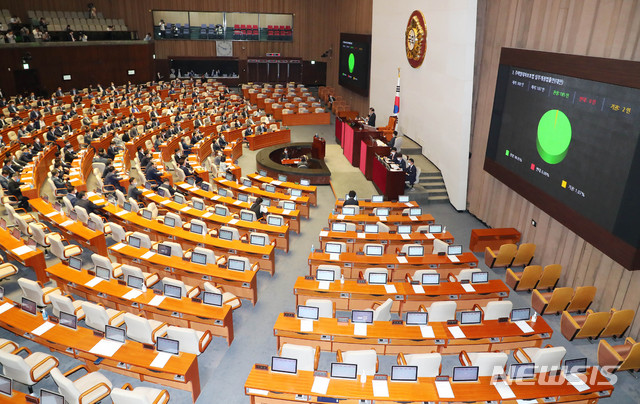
[[224, 48], [415, 39]]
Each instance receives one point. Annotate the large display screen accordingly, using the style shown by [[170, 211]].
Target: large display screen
[[564, 134], [355, 62]]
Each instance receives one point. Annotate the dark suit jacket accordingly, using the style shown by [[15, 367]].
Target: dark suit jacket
[[372, 120], [14, 188], [411, 174], [89, 206], [351, 201]]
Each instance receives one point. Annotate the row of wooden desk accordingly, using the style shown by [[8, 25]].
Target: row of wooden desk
[[355, 241], [392, 220], [309, 191], [281, 136]]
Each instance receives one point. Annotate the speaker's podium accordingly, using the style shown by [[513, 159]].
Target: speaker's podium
[[371, 145], [349, 135], [388, 178]]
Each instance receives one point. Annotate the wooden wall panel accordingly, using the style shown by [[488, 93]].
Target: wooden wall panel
[[601, 28]]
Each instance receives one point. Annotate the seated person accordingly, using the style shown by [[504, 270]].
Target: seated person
[[111, 178], [304, 162], [83, 201], [189, 172], [133, 191], [258, 209], [351, 200], [166, 185]]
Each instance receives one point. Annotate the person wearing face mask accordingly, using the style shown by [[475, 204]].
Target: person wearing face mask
[[410, 173]]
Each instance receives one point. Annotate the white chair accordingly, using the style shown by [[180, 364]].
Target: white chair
[[7, 269], [382, 311], [369, 271], [144, 330], [190, 341], [100, 261], [221, 207], [248, 266], [336, 269], [343, 245], [140, 395], [351, 227], [306, 356], [250, 213], [118, 234], [7, 346], [227, 297], [100, 225], [90, 388], [326, 308], [67, 304], [175, 248], [62, 251], [235, 234], [278, 217], [120, 198], [29, 370], [489, 363], [83, 216], [145, 241], [150, 279], [366, 360], [442, 311], [267, 238], [12, 214], [177, 220], [34, 290], [203, 225], [466, 274], [211, 256], [545, 359], [439, 246], [382, 228], [429, 364], [417, 275], [40, 237], [186, 291], [97, 317], [496, 309]]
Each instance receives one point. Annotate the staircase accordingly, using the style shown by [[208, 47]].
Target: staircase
[[430, 187]]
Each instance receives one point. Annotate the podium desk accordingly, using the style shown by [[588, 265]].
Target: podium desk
[[367, 206], [302, 202], [357, 296], [70, 229], [389, 182], [390, 339], [392, 220], [355, 241], [398, 266], [235, 205], [352, 137], [318, 147], [279, 234], [369, 147], [241, 284], [267, 387], [281, 136], [179, 312], [309, 191], [16, 249], [157, 231], [180, 372]]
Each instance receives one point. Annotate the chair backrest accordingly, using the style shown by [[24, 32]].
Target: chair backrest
[[466, 274], [529, 277], [122, 396], [61, 303], [369, 271], [547, 359], [176, 248], [619, 322], [22, 224], [593, 325], [131, 270], [632, 360], [326, 308], [305, 355], [382, 228], [138, 328], [67, 204], [497, 309], [442, 311], [524, 255], [96, 316], [560, 299], [550, 276], [582, 299], [117, 232], [428, 364], [31, 290], [98, 221], [15, 367], [489, 363], [38, 234], [417, 275], [145, 241], [337, 270], [65, 386], [176, 218], [211, 256], [187, 337], [83, 216], [134, 205], [120, 198], [219, 206], [383, 312], [235, 234], [205, 230], [366, 360], [505, 255], [176, 282]]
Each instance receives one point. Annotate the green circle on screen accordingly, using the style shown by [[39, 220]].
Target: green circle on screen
[[554, 136], [352, 62]]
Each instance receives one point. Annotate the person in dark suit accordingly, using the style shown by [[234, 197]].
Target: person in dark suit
[[258, 209], [4, 178], [71, 194], [111, 178], [401, 162], [133, 191], [410, 173], [393, 155], [83, 201], [13, 189], [188, 171], [351, 200], [59, 182], [371, 119], [166, 185], [152, 174], [392, 142], [37, 146]]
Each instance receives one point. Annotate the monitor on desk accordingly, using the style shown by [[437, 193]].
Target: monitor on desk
[[374, 250], [371, 228], [465, 374], [198, 258], [91, 225], [362, 316], [199, 205], [404, 229], [235, 264], [575, 365], [377, 278], [430, 279], [296, 193], [377, 198], [246, 182], [284, 365], [266, 202], [521, 314], [243, 197], [228, 177], [29, 306], [415, 212], [222, 192], [16, 234], [146, 213], [417, 318], [344, 370], [348, 210], [282, 178], [116, 334], [103, 273], [148, 186], [164, 249], [196, 228], [161, 192], [257, 239], [383, 212], [339, 227], [270, 188], [178, 198], [308, 312], [325, 275], [168, 345], [49, 397], [305, 182], [454, 250], [135, 282], [480, 277], [332, 248], [5, 386], [225, 234], [288, 205], [247, 216], [135, 241], [169, 221], [522, 371], [68, 320], [262, 173], [403, 198], [220, 211], [205, 186], [470, 317], [415, 251], [404, 373], [191, 181], [274, 220], [3, 223], [126, 206], [172, 291], [74, 216], [75, 263], [435, 228], [57, 206], [212, 298]]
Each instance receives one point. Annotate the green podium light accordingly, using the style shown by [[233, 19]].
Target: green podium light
[[352, 62], [554, 136]]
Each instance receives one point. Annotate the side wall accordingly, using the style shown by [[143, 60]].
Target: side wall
[[435, 99], [584, 27]]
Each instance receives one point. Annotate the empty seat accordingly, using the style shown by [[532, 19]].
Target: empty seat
[[551, 302], [442, 311], [545, 359], [550, 276], [503, 258], [614, 358], [429, 364], [66, 304], [382, 311], [525, 280], [488, 363], [495, 309], [524, 256], [90, 388], [588, 325], [144, 330], [29, 370], [582, 299], [34, 290], [366, 360], [140, 395], [618, 324], [190, 341], [306, 356], [97, 317], [326, 308]]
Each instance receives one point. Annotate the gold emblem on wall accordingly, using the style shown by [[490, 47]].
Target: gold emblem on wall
[[415, 39]]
